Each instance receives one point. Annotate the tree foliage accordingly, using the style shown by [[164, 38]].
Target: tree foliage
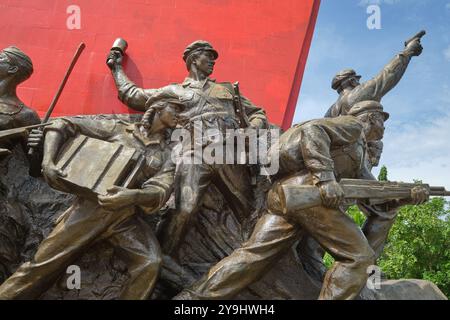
[[418, 246], [383, 175]]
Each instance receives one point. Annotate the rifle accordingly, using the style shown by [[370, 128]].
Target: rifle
[[418, 36], [239, 108], [298, 197], [18, 132]]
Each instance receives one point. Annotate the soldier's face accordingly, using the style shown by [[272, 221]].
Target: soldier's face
[[354, 82], [5, 65], [205, 62], [169, 116]]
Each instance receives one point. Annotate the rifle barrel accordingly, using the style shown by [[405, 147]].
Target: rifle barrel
[[439, 192]]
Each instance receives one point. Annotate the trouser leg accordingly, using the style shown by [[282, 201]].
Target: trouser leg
[[344, 240], [70, 237], [135, 242], [234, 182], [272, 236], [377, 225], [191, 184], [339, 235]]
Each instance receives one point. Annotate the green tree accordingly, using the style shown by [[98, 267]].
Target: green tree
[[383, 176], [418, 246]]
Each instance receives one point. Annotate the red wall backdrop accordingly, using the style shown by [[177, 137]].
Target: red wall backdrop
[[263, 44]]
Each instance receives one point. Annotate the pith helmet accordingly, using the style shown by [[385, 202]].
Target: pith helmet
[[197, 46], [343, 75]]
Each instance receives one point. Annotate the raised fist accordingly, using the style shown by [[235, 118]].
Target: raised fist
[[114, 59]]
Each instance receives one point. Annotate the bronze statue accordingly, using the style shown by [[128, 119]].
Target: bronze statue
[[212, 105], [15, 68], [351, 91], [115, 216], [315, 153]]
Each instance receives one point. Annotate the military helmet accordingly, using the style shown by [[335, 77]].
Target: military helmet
[[198, 46], [367, 106], [342, 76]]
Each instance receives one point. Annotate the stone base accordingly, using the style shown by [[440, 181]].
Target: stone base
[[410, 289]]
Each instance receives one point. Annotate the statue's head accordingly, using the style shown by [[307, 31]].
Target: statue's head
[[165, 108], [345, 79], [201, 56], [15, 64], [372, 116]]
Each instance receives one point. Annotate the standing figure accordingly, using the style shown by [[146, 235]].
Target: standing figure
[[15, 68], [211, 106], [115, 217]]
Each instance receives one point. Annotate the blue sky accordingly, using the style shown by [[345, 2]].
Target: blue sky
[[417, 138]]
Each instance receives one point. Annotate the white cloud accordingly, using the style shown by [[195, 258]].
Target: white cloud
[[419, 151], [447, 53], [447, 6]]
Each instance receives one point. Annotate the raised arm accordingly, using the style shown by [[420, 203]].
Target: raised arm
[[129, 93], [388, 77]]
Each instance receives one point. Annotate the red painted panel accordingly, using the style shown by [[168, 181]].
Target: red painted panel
[[263, 44]]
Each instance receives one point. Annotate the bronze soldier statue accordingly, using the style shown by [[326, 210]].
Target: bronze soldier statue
[[210, 104], [115, 217], [15, 68], [351, 91], [316, 153]]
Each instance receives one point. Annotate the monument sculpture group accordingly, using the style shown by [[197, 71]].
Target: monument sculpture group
[[145, 216]]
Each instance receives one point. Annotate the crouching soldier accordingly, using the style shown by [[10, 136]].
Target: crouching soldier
[[114, 217], [318, 152]]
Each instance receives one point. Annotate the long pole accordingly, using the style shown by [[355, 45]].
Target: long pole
[[61, 87]]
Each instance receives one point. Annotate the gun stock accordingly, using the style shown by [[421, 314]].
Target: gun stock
[[299, 197]]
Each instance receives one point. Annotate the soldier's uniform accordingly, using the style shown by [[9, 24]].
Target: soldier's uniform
[[312, 152], [210, 104], [86, 222]]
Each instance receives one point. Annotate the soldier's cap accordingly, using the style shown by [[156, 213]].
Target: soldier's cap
[[367, 106], [198, 46], [19, 58], [343, 75], [164, 97]]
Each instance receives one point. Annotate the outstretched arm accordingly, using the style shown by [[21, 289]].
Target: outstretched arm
[[389, 76]]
